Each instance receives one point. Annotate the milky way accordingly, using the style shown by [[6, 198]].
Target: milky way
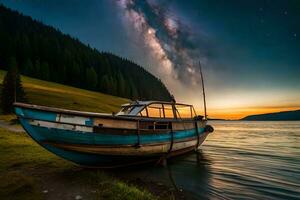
[[171, 41], [246, 63]]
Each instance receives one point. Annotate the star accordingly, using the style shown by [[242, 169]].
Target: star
[[285, 12], [295, 34]]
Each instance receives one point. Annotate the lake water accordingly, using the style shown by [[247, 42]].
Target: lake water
[[240, 160]]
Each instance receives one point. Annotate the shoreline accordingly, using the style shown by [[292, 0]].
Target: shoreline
[[30, 172]]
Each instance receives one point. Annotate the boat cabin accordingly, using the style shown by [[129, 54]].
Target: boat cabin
[[158, 109]]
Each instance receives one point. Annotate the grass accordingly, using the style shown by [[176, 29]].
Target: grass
[[26, 170], [7, 118], [15, 185], [57, 95]]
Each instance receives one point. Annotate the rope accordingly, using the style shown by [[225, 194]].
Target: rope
[[138, 145], [172, 141], [198, 135]]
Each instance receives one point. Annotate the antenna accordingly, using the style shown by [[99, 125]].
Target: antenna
[[15, 92], [203, 91]]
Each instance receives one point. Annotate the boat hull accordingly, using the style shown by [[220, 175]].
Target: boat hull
[[80, 140]]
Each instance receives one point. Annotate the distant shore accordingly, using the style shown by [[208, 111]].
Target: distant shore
[[277, 116]]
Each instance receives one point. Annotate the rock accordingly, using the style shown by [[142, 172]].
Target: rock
[[78, 197]]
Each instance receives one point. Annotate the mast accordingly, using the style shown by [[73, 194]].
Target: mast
[[203, 91], [15, 92]]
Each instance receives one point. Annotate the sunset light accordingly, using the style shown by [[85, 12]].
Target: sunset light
[[149, 99]]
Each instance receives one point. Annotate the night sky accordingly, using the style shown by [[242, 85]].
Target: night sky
[[249, 50]]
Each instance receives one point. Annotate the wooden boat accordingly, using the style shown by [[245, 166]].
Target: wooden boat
[[142, 131]]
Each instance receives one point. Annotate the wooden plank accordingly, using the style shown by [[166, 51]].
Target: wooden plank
[[144, 150], [111, 123], [183, 126]]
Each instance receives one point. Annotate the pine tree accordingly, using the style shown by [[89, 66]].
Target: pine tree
[[133, 91], [120, 85], [91, 78], [12, 88], [45, 74], [28, 68], [34, 44], [37, 69], [104, 84], [73, 70]]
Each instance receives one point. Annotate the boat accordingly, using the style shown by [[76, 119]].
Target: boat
[[142, 131]]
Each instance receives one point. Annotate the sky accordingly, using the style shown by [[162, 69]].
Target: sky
[[249, 50]]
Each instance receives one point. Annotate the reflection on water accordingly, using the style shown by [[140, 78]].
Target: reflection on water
[[240, 160]]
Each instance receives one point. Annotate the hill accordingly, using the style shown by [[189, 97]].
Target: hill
[[57, 95], [278, 116], [45, 53]]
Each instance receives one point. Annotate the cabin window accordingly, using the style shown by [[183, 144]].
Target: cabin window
[[126, 110], [193, 111], [168, 111], [143, 113], [183, 111], [130, 110], [155, 110], [162, 125]]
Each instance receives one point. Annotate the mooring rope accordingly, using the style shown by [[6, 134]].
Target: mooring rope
[[198, 134], [138, 145]]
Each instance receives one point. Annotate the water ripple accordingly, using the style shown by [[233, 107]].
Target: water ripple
[[240, 160]]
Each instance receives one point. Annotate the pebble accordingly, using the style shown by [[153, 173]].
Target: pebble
[[78, 197], [45, 191]]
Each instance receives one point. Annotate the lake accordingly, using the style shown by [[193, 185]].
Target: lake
[[240, 160]]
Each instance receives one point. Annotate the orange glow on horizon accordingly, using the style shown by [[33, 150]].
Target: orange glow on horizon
[[238, 113]]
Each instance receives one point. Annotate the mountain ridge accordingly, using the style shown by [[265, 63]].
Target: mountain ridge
[[276, 116]]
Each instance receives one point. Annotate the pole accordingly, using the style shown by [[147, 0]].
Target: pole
[[203, 91], [15, 92]]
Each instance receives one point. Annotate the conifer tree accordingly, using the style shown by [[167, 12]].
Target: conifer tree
[[12, 88], [37, 69], [45, 53], [91, 78], [120, 85], [45, 71], [28, 68]]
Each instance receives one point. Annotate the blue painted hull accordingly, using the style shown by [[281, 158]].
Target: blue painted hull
[[83, 147]]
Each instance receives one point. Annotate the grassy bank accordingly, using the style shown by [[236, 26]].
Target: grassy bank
[[61, 96], [28, 171]]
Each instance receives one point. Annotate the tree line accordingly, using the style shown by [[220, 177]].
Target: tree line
[[46, 53], [12, 89]]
